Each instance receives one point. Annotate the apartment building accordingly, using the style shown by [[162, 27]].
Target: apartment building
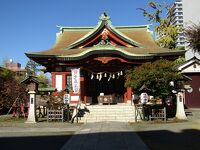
[[183, 13], [15, 67], [175, 15]]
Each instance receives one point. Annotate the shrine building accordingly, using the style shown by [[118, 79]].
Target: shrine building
[[102, 53]]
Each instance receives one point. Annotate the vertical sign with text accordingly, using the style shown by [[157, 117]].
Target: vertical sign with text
[[76, 80]]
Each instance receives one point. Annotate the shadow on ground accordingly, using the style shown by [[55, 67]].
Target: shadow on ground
[[188, 139], [54, 142], [155, 140]]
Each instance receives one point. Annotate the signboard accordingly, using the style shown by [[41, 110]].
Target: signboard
[[74, 100], [144, 97], [75, 80], [66, 98]]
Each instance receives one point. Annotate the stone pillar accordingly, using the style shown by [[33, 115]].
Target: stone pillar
[[180, 112], [32, 108]]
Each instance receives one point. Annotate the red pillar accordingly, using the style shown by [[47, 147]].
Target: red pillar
[[82, 88], [129, 94], [63, 80], [53, 79]]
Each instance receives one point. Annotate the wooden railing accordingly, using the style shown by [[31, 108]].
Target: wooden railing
[[158, 114], [56, 115], [149, 112]]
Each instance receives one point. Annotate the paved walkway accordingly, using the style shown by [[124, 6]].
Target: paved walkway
[[105, 136]]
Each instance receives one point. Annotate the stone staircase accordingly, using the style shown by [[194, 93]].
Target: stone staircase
[[118, 113]]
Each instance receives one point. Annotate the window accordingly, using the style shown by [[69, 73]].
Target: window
[[180, 21]]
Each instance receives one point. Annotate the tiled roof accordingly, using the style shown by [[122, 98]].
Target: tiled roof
[[69, 36]]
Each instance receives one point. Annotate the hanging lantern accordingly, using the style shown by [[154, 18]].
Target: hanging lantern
[[121, 73], [97, 76], [113, 76], [100, 75], [105, 74]]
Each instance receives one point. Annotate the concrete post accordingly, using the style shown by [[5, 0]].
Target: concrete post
[[32, 108], [180, 112]]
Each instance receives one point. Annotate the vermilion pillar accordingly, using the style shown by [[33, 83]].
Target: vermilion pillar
[[63, 80], [53, 79], [129, 94], [82, 87]]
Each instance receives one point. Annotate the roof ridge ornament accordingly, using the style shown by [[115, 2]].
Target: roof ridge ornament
[[104, 16]]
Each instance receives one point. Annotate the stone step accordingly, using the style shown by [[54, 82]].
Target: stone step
[[99, 113], [106, 120], [108, 110], [109, 115], [108, 106]]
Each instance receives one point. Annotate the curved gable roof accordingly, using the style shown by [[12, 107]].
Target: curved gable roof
[[70, 39], [104, 22]]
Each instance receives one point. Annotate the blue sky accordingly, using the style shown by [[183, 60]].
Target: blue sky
[[30, 25]]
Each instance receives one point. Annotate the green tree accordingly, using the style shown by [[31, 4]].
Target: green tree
[[43, 79], [167, 33], [156, 76], [193, 36], [179, 60], [32, 67]]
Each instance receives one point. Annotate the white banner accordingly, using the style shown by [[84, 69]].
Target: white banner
[[76, 80]]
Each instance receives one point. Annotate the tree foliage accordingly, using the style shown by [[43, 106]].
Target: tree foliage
[[43, 79], [179, 60], [11, 90], [167, 33], [156, 76], [193, 36], [32, 67], [153, 14]]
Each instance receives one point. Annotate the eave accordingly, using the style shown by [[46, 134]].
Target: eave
[[102, 51]]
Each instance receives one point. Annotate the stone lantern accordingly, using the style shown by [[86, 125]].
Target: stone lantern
[[180, 112], [32, 87], [179, 91]]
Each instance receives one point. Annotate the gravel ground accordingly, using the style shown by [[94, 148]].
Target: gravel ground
[[173, 135]]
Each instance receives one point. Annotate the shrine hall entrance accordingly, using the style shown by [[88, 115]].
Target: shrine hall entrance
[[106, 84]]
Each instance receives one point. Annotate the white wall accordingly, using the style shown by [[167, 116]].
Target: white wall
[[59, 82]]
